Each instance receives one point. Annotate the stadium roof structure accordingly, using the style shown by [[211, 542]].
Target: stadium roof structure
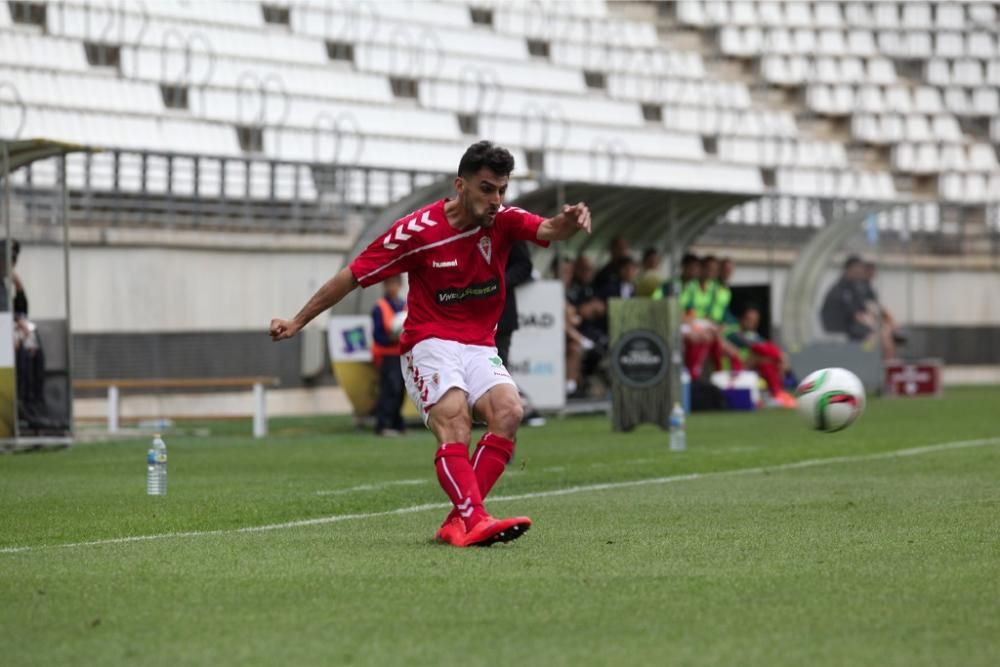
[[21, 152], [15, 154], [645, 217]]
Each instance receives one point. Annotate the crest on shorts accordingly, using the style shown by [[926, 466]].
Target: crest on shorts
[[496, 361], [486, 248]]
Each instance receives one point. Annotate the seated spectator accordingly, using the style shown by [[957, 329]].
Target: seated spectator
[[702, 335], [845, 309], [722, 296], [619, 250], [592, 313], [690, 270], [719, 274], [649, 276], [577, 345], [762, 356], [880, 313], [622, 284]]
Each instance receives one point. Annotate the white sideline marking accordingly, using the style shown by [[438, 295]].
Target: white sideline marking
[[373, 487], [337, 518]]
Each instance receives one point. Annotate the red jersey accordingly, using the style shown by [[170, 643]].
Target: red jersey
[[457, 287]]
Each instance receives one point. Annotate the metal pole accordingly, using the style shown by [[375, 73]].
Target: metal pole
[[64, 211], [8, 281], [114, 406], [259, 411], [673, 299]]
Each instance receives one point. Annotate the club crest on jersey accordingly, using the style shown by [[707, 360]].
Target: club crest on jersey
[[486, 248]]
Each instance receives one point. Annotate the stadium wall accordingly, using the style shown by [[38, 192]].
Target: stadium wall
[[147, 311]]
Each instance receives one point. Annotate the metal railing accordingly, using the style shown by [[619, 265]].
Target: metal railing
[[174, 190]]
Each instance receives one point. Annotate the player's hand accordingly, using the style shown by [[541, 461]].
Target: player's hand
[[578, 215], [282, 329]]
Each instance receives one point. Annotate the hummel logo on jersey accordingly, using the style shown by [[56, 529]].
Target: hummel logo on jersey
[[445, 265]]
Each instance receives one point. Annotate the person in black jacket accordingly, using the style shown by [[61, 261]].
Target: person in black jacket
[[29, 356], [518, 272]]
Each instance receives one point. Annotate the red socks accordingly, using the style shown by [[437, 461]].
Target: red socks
[[488, 462], [456, 477], [491, 457]]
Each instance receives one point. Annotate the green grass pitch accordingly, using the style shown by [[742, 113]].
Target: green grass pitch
[[856, 557]]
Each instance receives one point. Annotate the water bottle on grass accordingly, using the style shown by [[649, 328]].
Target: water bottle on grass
[[678, 438], [156, 468]]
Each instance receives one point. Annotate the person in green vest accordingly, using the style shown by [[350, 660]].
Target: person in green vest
[[697, 330], [724, 355], [649, 279]]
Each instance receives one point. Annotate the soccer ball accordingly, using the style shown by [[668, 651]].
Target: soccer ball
[[830, 399]]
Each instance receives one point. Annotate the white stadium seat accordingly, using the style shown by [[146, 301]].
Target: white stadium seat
[[949, 45], [916, 15], [827, 14], [985, 101], [982, 12], [949, 15], [981, 45], [927, 100]]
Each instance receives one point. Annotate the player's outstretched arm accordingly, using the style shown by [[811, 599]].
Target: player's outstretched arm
[[326, 297], [570, 221]]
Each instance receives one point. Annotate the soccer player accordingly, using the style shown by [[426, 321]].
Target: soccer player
[[455, 251]]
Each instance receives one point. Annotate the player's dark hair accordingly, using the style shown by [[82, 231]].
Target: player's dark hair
[[689, 259], [649, 252], [709, 258], [486, 154]]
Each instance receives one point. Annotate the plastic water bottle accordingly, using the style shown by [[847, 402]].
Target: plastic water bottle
[[686, 390], [678, 438], [156, 468]]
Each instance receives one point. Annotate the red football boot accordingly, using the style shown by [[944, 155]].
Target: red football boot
[[489, 531], [452, 532]]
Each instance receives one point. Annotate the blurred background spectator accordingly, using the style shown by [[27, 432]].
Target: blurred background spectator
[[386, 316], [649, 278], [760, 355], [851, 307], [618, 250], [622, 284]]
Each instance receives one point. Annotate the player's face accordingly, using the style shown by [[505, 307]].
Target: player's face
[[483, 193]]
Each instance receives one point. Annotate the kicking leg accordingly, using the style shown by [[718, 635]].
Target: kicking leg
[[501, 408]]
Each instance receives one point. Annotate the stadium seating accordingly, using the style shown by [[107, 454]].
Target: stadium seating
[[580, 90]]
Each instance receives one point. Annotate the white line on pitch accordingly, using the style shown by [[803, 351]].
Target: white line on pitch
[[337, 518], [373, 487]]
